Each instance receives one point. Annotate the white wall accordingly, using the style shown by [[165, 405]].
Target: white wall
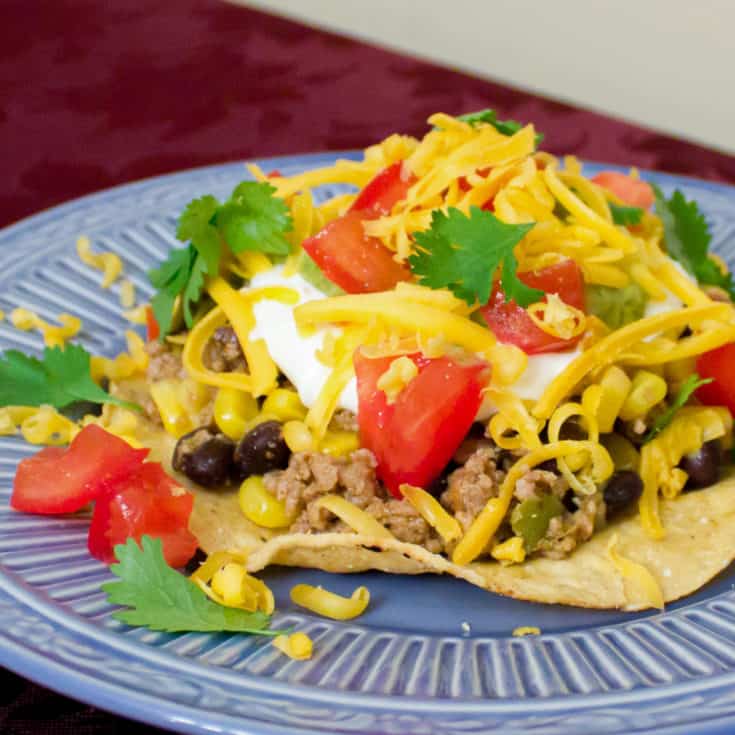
[[667, 64]]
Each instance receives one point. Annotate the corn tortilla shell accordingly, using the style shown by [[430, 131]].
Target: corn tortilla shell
[[699, 543]]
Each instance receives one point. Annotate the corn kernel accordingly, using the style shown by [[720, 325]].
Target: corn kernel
[[285, 405], [232, 410], [297, 436], [339, 443], [647, 389], [260, 506], [511, 550]]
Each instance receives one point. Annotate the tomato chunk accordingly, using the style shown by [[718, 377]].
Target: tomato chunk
[[346, 255], [718, 364], [153, 331], [414, 438], [148, 502], [511, 323], [634, 192], [386, 189], [355, 262], [58, 480]]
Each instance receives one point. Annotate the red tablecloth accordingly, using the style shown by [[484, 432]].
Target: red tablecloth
[[100, 93]]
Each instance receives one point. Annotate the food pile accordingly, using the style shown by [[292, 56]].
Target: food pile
[[472, 360]]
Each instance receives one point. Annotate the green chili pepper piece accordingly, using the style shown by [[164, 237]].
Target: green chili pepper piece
[[531, 518]]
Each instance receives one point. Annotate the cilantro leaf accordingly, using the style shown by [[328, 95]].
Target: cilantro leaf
[[160, 598], [505, 127], [623, 215], [194, 287], [253, 219], [685, 393], [171, 278], [463, 252], [60, 379], [687, 239], [195, 224]]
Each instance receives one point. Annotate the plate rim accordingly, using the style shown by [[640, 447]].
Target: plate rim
[[6, 644]]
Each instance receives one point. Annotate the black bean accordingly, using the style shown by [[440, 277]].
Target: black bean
[[622, 489], [549, 465], [261, 450], [205, 456], [569, 501], [702, 466], [195, 562]]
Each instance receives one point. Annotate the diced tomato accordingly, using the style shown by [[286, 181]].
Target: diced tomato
[[414, 438], [633, 192], [58, 480], [719, 365], [275, 173], [381, 193], [148, 502], [153, 331], [510, 322], [355, 262], [489, 205], [346, 255]]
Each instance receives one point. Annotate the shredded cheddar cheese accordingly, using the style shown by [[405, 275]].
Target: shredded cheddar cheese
[[524, 630], [646, 591], [432, 512], [109, 263], [358, 520], [399, 374], [330, 605], [53, 336], [297, 646], [557, 318], [127, 294]]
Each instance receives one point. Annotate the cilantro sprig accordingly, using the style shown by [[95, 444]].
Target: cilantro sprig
[[685, 393], [251, 219], [624, 215], [158, 597], [61, 378], [462, 253], [687, 238], [505, 127]]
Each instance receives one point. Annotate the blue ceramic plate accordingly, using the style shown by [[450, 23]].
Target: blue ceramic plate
[[433, 656]]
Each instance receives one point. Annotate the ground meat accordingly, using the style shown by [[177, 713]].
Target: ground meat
[[472, 485], [165, 361], [344, 420], [165, 364], [567, 531], [536, 483], [223, 353], [311, 475]]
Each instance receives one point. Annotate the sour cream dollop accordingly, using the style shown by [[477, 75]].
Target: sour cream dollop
[[293, 352]]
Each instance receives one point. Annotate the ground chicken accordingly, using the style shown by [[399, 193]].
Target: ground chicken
[[165, 361], [223, 353], [311, 475]]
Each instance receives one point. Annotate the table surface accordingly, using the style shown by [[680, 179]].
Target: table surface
[[98, 94]]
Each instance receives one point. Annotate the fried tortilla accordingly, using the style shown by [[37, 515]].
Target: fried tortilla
[[699, 544]]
